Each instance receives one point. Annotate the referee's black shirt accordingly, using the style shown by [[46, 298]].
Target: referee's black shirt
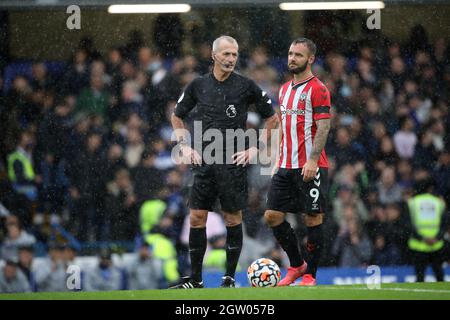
[[223, 104]]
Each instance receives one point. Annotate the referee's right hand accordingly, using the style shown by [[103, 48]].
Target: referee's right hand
[[191, 155]]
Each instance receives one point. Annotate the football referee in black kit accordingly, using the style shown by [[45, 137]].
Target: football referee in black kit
[[222, 99]]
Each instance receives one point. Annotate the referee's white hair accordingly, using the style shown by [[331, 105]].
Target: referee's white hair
[[216, 43]]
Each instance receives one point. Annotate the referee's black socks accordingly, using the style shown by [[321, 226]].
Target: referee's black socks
[[234, 247], [288, 241], [197, 248], [314, 247]]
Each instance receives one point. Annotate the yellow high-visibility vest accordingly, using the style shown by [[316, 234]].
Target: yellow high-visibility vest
[[26, 164], [426, 212]]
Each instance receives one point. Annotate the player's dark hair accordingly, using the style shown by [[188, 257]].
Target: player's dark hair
[[311, 45]]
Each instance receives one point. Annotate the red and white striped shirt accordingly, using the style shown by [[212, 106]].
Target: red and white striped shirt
[[301, 104]]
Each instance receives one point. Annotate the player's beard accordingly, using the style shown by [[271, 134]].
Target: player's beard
[[298, 69]]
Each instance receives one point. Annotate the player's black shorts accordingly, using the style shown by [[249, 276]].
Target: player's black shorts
[[289, 193], [225, 182]]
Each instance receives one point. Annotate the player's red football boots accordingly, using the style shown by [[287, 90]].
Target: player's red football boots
[[293, 274], [308, 280]]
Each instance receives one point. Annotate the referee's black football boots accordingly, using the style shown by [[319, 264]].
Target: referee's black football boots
[[228, 282], [188, 283]]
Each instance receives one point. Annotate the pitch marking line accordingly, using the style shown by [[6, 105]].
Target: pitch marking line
[[386, 289]]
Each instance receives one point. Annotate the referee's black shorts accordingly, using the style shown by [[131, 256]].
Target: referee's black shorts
[[289, 193], [225, 182]]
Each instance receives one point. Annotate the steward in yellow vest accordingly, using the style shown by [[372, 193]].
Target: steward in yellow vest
[[21, 173], [427, 214]]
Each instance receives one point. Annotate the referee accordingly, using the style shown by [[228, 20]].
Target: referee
[[222, 99]]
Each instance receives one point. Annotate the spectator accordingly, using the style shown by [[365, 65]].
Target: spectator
[[352, 247], [398, 73], [216, 257], [15, 238], [344, 151], [115, 161], [147, 179], [94, 100], [40, 77], [386, 155], [397, 233], [26, 256], [134, 148], [425, 153], [86, 175], [121, 219], [366, 73], [204, 58], [18, 101], [405, 139], [259, 69], [441, 174], [127, 71], [360, 136], [420, 108], [438, 133], [69, 253], [55, 184], [98, 68], [164, 159], [51, 274], [105, 276], [12, 280], [54, 130], [113, 64], [77, 75], [132, 101], [347, 199], [145, 271], [388, 188], [405, 174]]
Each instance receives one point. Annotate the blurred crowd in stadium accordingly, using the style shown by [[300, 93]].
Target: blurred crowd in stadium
[[86, 159]]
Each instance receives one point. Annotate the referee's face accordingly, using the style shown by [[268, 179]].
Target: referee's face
[[298, 58], [226, 57]]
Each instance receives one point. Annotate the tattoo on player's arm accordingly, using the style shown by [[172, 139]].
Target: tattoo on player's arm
[[320, 139]]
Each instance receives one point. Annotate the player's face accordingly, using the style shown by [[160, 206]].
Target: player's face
[[226, 57], [298, 58]]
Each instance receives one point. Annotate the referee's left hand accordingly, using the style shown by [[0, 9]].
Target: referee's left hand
[[244, 157], [309, 170]]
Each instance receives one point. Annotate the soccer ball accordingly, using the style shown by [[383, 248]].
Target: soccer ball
[[263, 273]]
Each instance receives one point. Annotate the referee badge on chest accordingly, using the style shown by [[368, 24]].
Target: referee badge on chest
[[231, 111]]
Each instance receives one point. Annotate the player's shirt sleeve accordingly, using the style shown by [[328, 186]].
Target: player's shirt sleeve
[[261, 100], [186, 102], [321, 103]]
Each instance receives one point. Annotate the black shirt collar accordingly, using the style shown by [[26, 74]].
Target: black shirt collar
[[301, 82], [224, 81]]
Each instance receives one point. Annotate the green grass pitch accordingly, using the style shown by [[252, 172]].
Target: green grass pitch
[[392, 291]]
